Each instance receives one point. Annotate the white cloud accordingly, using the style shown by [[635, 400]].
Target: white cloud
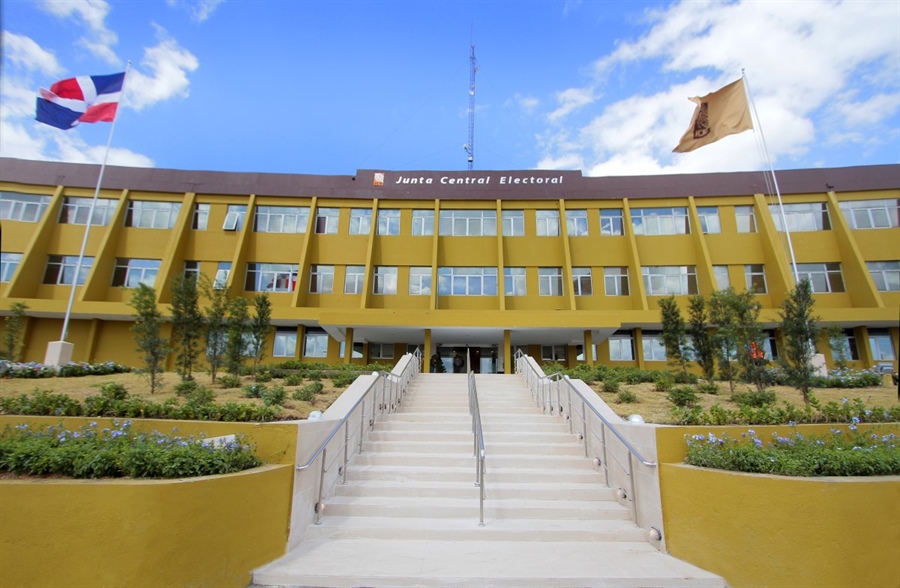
[[527, 104], [802, 61], [168, 64], [93, 14], [571, 100], [25, 53], [199, 10]]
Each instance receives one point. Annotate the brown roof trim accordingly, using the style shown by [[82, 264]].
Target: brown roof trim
[[467, 185]]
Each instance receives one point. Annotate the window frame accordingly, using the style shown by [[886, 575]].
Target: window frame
[[162, 214], [616, 280], [720, 272], [9, 263], [355, 278], [321, 279], [423, 222], [327, 220], [283, 277], [236, 214], [74, 207], [477, 222], [798, 217], [886, 279], [580, 285], [616, 345], [124, 273], [550, 281], [710, 224], [513, 277], [360, 221], [546, 222], [513, 222], [467, 281], [384, 280], [388, 221], [852, 209], [828, 274], [753, 272], [418, 276], [612, 222], [747, 212], [285, 338], [653, 341], [577, 223], [660, 221], [25, 208], [686, 275]]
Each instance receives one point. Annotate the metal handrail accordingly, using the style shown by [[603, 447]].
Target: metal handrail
[[393, 387], [537, 384], [478, 434]]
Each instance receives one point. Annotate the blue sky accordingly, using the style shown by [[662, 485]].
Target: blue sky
[[332, 87]]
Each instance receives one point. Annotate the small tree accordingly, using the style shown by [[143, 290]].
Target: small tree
[[674, 335], [187, 324], [800, 329], [236, 330], [215, 314], [14, 331], [147, 329], [739, 337], [260, 326], [702, 340], [837, 341]]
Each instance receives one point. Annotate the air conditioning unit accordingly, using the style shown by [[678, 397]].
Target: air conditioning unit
[[885, 368]]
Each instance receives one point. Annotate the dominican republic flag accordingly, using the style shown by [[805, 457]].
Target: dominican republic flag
[[83, 99]]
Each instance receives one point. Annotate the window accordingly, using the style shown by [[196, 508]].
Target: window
[[756, 278], [131, 272], [354, 279], [192, 269], [844, 346], [270, 277], [709, 219], [621, 347], [315, 343], [75, 211], [872, 214], [385, 280], [550, 281], [615, 280], [381, 351], [148, 214], [547, 223], [8, 264], [388, 222], [357, 351], [745, 219], [423, 223], [420, 281], [234, 218], [222, 275], [653, 347], [26, 208], [327, 221], [800, 218], [469, 223], [770, 349], [285, 344], [553, 353], [665, 280], [885, 274], [360, 221], [660, 221], [582, 284], [201, 217], [281, 219], [881, 344], [514, 281], [722, 280], [611, 222], [576, 223], [467, 281], [321, 279], [823, 277], [513, 223]]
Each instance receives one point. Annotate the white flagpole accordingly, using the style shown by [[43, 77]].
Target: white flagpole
[[762, 137], [87, 228]]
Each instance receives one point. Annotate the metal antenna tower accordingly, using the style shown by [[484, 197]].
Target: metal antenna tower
[[470, 146]]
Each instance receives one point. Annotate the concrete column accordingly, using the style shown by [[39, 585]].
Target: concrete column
[[427, 353], [588, 347], [348, 345]]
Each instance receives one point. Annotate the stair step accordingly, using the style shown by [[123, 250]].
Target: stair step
[[467, 474], [411, 562]]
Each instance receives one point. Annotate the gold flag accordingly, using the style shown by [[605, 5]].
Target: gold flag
[[719, 114]]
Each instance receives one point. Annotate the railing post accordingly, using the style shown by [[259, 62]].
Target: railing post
[[321, 487], [631, 488], [603, 443], [362, 423], [346, 452], [584, 427]]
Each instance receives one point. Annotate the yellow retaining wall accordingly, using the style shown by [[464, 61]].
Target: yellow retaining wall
[[204, 532], [759, 530]]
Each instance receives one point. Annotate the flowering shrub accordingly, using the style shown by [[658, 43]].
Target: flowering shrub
[[837, 378], [9, 369], [118, 452], [769, 414], [198, 407], [840, 454]]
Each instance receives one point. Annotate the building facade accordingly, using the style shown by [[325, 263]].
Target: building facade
[[363, 268]]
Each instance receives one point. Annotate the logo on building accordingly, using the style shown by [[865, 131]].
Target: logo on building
[[379, 179]]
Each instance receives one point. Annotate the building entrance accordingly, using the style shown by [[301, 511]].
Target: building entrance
[[459, 359]]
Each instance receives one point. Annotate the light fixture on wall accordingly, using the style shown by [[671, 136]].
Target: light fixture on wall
[[597, 461], [620, 494], [636, 418], [655, 534]]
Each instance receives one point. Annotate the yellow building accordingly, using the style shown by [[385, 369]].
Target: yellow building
[[481, 263]]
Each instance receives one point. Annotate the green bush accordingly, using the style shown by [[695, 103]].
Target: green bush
[[315, 375], [201, 395], [833, 412], [316, 387], [611, 384], [185, 387], [626, 397], [229, 381], [113, 391], [754, 398], [683, 396], [292, 380], [263, 376], [304, 394], [843, 453], [253, 390], [41, 403], [686, 378], [118, 452], [273, 396], [10, 369], [344, 380], [663, 381], [708, 388]]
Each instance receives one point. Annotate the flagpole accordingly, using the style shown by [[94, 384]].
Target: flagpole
[[768, 159], [90, 220]]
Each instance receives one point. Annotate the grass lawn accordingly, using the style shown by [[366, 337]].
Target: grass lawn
[[654, 406]]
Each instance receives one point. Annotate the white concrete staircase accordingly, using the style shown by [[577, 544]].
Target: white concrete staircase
[[408, 515]]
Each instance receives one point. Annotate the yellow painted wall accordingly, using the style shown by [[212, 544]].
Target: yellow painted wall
[[210, 531], [757, 530]]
